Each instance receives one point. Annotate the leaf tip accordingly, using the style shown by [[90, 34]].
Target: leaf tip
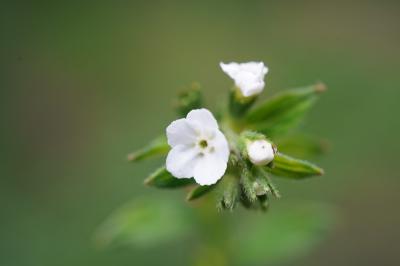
[[131, 157], [320, 87], [320, 171], [148, 181]]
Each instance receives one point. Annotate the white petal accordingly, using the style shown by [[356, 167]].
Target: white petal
[[257, 68], [221, 146], [209, 169], [252, 87], [181, 132], [203, 117], [182, 160], [230, 69], [248, 77]]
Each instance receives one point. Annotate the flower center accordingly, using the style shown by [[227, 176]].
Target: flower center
[[203, 144]]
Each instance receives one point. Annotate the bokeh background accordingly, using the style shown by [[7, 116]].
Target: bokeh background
[[83, 84]]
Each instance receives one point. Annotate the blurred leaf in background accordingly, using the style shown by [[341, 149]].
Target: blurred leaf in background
[[145, 223]]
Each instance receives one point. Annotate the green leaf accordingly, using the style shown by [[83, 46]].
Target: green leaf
[[284, 111], [159, 146], [161, 178], [285, 233], [189, 99], [287, 166], [144, 223], [198, 192]]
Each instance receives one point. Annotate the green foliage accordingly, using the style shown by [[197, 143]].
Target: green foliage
[[198, 192], [189, 99], [238, 104], [247, 184], [284, 111], [229, 193], [159, 146], [287, 166], [264, 180], [161, 178], [244, 182], [143, 223], [284, 234]]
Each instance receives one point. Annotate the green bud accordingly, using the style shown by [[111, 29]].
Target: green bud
[[247, 183], [189, 99], [229, 193]]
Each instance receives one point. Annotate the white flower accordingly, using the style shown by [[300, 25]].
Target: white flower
[[248, 77], [260, 152], [199, 149]]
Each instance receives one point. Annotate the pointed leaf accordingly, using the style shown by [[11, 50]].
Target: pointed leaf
[[280, 125], [287, 166], [161, 178], [283, 111], [159, 146], [198, 192]]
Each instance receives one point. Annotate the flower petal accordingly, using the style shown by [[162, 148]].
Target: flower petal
[[204, 117], [230, 69], [182, 160], [248, 77], [221, 146], [209, 169], [181, 132]]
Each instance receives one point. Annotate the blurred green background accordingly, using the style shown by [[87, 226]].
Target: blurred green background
[[83, 84]]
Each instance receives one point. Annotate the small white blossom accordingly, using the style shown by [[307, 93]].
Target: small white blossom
[[248, 77], [260, 152], [199, 148]]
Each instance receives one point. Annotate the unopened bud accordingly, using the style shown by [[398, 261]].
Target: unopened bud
[[260, 152]]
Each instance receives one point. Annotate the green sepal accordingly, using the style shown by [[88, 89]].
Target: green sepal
[[264, 180], [161, 178], [284, 111], [239, 104], [247, 184], [189, 99], [198, 192], [229, 193], [287, 166], [159, 146]]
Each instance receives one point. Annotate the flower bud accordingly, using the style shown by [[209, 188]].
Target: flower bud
[[260, 152]]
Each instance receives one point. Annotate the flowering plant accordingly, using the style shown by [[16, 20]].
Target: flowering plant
[[235, 155]]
